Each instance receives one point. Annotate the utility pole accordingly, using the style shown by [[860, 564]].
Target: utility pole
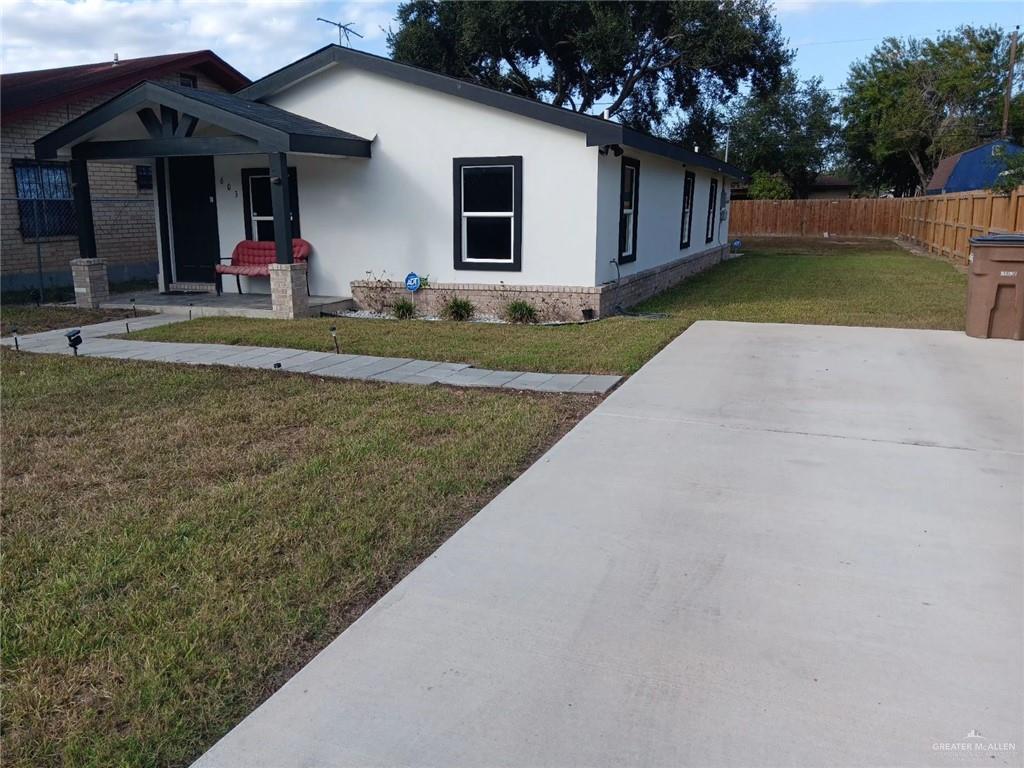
[[1009, 83]]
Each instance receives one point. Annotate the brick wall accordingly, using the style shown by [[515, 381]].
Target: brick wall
[[552, 302], [123, 215]]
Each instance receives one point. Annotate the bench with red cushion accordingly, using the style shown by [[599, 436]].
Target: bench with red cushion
[[252, 258]]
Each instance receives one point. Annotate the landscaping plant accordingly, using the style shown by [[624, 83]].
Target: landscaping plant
[[458, 309], [520, 311], [403, 309]]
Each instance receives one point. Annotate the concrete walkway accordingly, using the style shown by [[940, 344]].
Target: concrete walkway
[[393, 369], [773, 546]]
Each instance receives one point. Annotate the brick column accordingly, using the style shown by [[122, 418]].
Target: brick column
[[288, 290], [91, 286]]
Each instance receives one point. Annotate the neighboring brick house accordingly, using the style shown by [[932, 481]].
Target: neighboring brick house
[[38, 194]]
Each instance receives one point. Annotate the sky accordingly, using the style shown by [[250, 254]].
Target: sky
[[259, 36]]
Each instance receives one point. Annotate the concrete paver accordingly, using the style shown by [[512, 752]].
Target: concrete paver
[[772, 546], [390, 369]]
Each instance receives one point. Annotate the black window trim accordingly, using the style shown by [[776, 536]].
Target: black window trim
[[516, 264], [709, 234], [25, 162], [247, 174], [634, 163], [686, 215]]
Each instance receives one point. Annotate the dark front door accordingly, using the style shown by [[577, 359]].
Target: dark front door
[[194, 218]]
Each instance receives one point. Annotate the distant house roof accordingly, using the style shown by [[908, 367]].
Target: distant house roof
[[598, 131], [24, 93], [829, 181], [975, 168]]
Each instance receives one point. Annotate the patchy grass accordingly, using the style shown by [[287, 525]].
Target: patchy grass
[[823, 282], [179, 540], [33, 319]]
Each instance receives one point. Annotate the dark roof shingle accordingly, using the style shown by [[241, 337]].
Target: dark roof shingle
[[22, 93]]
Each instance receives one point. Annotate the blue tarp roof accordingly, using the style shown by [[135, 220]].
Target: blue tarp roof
[[975, 168]]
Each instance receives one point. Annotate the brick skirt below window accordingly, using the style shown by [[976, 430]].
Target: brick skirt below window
[[552, 302]]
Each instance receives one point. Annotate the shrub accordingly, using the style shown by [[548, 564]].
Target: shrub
[[520, 311], [404, 309], [458, 309]]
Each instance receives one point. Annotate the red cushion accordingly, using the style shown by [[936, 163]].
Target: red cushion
[[249, 253]]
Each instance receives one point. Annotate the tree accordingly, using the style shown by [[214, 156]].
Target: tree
[[791, 131], [642, 62], [768, 186], [1012, 175], [913, 102]]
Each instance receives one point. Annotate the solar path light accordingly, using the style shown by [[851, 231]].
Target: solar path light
[[74, 340]]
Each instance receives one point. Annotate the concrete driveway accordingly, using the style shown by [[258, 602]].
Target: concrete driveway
[[773, 546]]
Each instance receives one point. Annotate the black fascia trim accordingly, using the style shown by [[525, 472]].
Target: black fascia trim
[[329, 145], [148, 93], [516, 265], [289, 74], [170, 147], [629, 162], [599, 132], [248, 173], [686, 221]]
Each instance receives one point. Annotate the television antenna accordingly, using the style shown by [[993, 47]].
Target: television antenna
[[343, 29]]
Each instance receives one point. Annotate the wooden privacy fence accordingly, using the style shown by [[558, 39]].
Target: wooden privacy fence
[[945, 223], [866, 217], [941, 223]]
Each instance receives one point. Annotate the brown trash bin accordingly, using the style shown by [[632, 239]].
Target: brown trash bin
[[995, 287]]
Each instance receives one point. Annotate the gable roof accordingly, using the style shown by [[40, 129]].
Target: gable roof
[[970, 169], [598, 131], [262, 127], [24, 93]]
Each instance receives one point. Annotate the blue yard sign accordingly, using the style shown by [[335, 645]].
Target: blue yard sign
[[412, 282]]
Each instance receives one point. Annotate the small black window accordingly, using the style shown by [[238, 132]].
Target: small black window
[[629, 209], [188, 81], [686, 223], [709, 235], [45, 205], [488, 221], [143, 177]]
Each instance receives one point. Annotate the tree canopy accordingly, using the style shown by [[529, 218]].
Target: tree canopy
[[913, 102], [642, 62], [791, 131], [768, 186]]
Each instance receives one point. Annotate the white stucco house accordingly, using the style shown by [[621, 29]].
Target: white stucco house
[[393, 169]]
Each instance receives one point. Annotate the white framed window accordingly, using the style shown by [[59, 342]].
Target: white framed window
[[629, 203], [488, 213], [686, 222], [258, 207]]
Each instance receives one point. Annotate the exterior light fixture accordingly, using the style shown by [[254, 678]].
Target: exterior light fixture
[[135, 312], [334, 335], [14, 333], [190, 310], [277, 365], [74, 340]]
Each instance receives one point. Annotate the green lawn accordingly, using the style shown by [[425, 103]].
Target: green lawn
[[826, 282], [28, 318], [178, 540]]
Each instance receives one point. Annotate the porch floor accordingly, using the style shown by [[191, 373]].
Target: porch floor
[[210, 304]]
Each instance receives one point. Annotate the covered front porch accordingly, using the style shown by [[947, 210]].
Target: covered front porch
[[195, 304], [184, 134]]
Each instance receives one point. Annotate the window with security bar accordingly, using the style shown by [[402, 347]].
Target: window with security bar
[[45, 204]]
